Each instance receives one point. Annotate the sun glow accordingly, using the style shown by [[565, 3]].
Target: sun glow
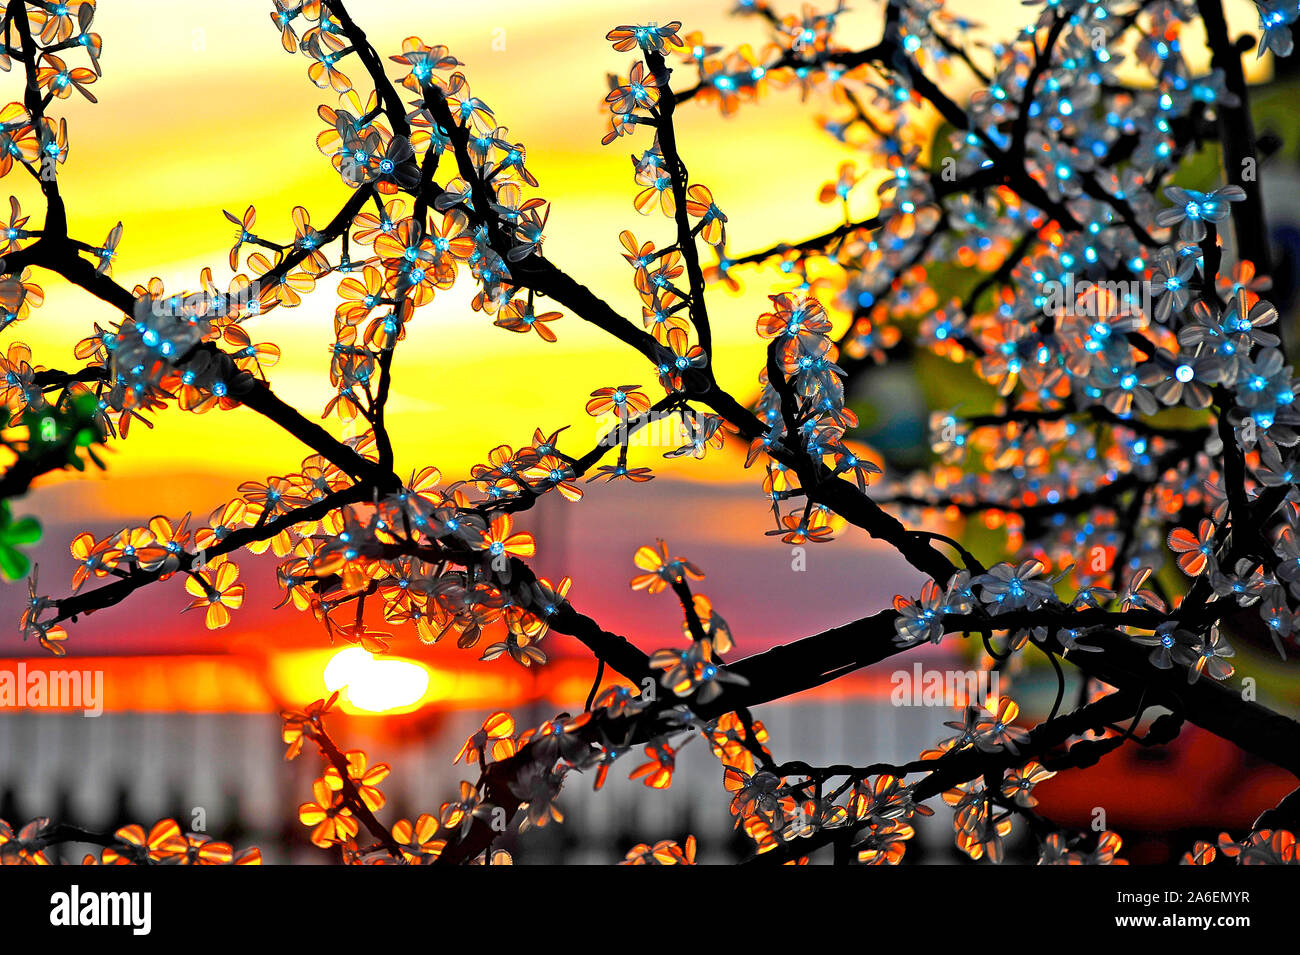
[[376, 686]]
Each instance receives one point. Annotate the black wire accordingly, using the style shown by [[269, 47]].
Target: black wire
[[600, 674], [1060, 685]]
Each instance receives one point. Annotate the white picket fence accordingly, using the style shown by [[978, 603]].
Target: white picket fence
[[141, 767]]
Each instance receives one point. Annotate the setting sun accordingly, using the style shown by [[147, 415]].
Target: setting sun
[[376, 686]]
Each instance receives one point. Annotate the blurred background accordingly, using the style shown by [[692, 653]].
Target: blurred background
[[200, 110]]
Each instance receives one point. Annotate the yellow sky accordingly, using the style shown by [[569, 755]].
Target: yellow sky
[[200, 109]]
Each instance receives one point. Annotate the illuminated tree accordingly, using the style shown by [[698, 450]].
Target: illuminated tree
[[1138, 458]]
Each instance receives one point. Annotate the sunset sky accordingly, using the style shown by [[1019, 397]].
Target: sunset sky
[[200, 113], [201, 110]]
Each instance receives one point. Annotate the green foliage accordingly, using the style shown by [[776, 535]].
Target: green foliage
[[69, 428], [25, 530], [57, 438]]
